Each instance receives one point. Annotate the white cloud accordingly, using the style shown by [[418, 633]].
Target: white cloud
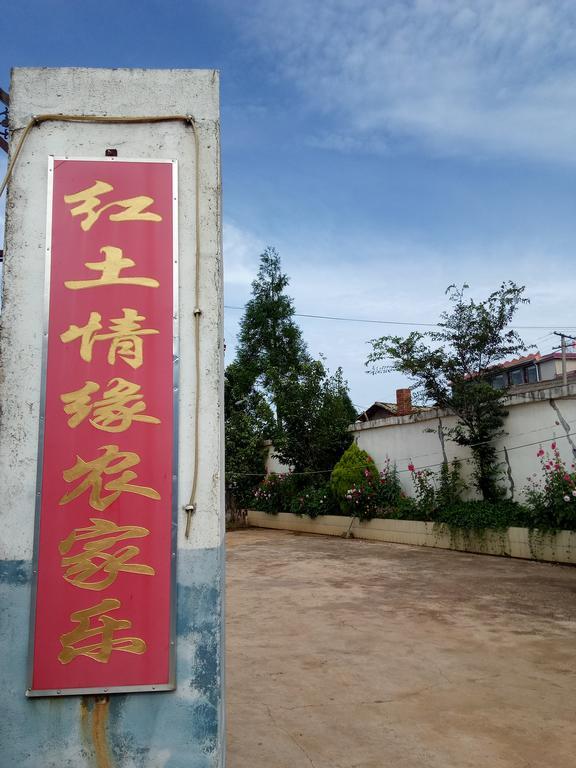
[[484, 76], [348, 143], [241, 252]]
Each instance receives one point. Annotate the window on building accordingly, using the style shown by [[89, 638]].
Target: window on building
[[500, 381], [531, 374], [517, 376]]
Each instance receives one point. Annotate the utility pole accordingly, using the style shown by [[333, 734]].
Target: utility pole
[[562, 347]]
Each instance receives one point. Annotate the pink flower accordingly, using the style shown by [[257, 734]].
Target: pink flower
[[553, 446], [540, 452], [411, 467]]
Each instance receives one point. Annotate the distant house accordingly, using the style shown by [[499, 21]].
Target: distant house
[[402, 407], [532, 369], [522, 372]]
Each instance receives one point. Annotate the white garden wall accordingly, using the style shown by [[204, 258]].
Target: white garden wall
[[536, 418]]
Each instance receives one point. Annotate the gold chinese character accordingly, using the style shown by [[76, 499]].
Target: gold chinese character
[[112, 462], [114, 262], [88, 201], [120, 405], [125, 337], [102, 632], [95, 560], [77, 404]]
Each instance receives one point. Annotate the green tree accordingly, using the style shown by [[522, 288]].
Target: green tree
[[247, 419], [317, 412], [270, 344], [453, 367], [275, 390]]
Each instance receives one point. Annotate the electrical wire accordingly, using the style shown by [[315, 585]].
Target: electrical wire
[[406, 323], [37, 120], [466, 459]]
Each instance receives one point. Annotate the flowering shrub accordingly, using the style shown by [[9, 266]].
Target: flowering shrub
[[362, 498], [390, 493], [552, 497], [354, 470], [436, 492], [292, 493], [314, 501], [274, 494], [376, 496], [425, 491]]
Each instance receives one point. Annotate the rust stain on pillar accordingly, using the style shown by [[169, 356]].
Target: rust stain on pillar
[[99, 736], [85, 724]]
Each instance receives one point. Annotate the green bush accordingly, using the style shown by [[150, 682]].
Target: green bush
[[437, 491], [478, 515], [354, 468], [376, 495], [390, 493], [314, 500], [274, 494], [356, 489]]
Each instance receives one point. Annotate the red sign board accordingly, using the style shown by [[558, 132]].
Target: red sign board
[[106, 492]]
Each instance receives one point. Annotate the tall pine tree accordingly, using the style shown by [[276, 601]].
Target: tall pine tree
[[275, 390], [270, 344]]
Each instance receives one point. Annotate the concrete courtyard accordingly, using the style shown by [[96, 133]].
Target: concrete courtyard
[[350, 654]]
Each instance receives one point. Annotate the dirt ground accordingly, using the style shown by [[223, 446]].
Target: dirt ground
[[351, 654]]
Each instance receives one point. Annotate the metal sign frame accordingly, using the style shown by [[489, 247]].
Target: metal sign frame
[[171, 684]]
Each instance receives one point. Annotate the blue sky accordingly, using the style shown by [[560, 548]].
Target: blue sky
[[386, 149]]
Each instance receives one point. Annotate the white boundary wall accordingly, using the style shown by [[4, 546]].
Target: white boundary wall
[[537, 417]]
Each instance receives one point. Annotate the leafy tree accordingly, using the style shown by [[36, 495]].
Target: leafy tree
[[274, 390], [270, 344], [317, 411], [247, 418], [452, 367]]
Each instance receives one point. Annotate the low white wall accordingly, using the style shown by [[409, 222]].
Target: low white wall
[[536, 417], [511, 542]]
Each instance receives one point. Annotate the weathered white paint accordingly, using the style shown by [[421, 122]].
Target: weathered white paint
[[511, 542], [186, 726], [535, 417]]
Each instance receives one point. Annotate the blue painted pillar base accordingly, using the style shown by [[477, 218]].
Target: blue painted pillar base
[[178, 729]]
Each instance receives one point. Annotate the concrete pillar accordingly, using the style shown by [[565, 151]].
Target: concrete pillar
[[173, 729]]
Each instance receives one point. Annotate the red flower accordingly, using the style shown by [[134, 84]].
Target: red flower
[[540, 452], [553, 446]]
